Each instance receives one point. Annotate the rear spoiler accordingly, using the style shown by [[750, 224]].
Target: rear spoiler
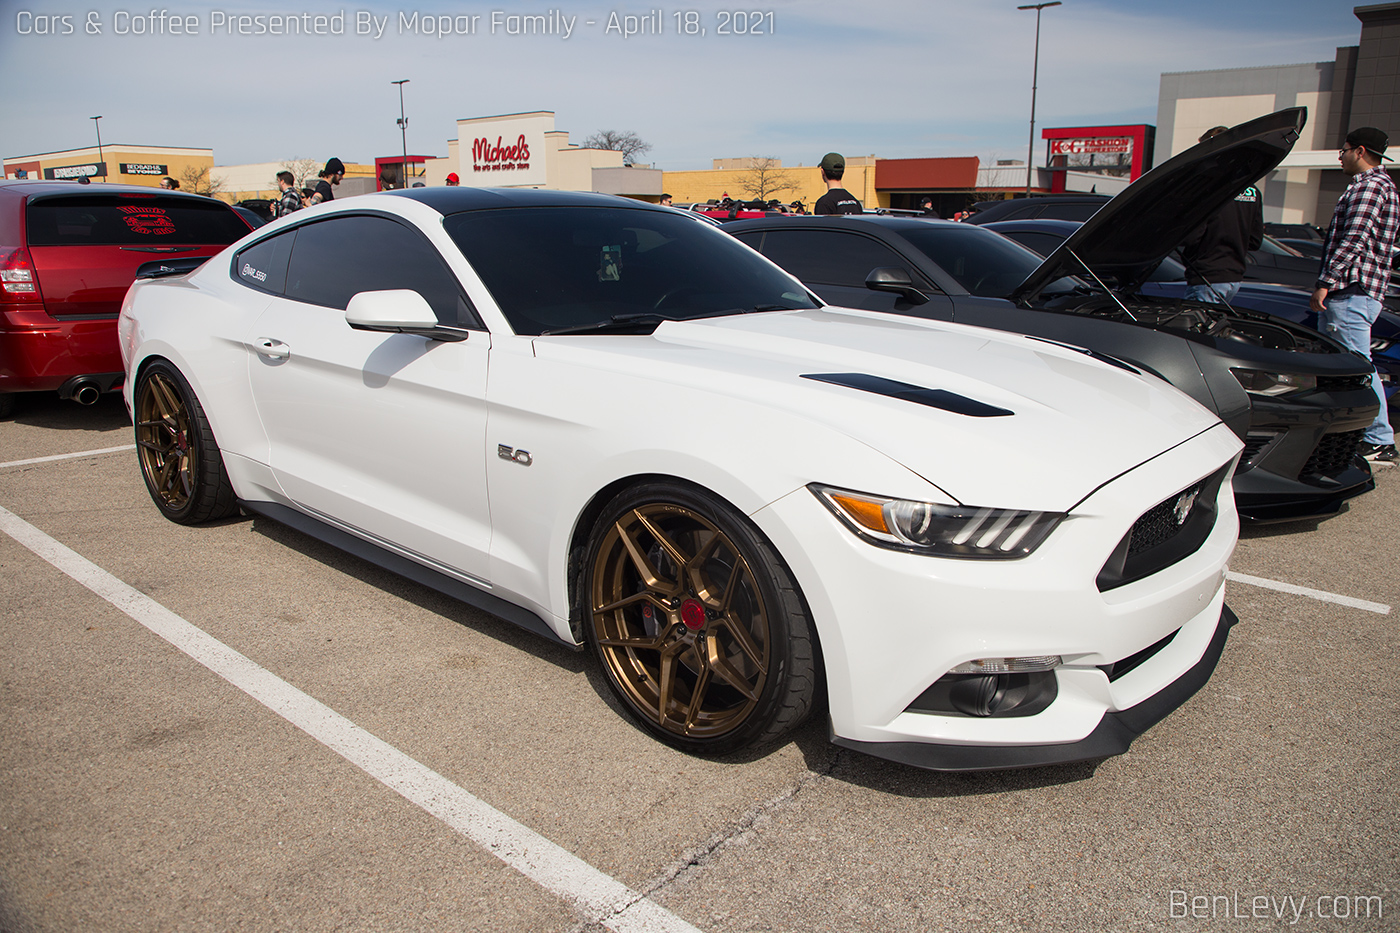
[[160, 268]]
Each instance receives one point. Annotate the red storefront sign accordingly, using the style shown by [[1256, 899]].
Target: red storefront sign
[[1092, 146], [494, 157]]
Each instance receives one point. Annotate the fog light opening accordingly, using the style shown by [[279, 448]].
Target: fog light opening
[[1023, 693]]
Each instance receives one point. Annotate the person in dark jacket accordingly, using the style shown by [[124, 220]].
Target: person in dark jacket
[[330, 176], [837, 200], [1215, 253]]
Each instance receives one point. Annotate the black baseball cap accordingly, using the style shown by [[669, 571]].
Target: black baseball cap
[[1371, 139], [833, 162]]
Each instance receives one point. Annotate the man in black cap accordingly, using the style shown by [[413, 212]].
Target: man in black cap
[[1216, 252], [837, 200], [330, 175], [1356, 265]]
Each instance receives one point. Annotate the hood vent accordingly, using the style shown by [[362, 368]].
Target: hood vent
[[933, 398]]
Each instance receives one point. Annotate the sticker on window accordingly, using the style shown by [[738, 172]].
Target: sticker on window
[[610, 264], [152, 221], [256, 275]]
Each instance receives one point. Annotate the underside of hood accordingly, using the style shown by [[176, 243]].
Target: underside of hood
[[1157, 212]]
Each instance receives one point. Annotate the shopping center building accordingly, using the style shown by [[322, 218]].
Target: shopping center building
[[130, 165], [1359, 87]]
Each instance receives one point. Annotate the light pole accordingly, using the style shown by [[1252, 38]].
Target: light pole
[[100, 160], [1035, 71], [403, 131]]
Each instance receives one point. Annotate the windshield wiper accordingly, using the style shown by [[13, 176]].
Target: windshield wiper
[[616, 322]]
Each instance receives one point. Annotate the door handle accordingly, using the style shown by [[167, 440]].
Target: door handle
[[272, 349]]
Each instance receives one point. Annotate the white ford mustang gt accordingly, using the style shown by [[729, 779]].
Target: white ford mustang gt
[[623, 429]]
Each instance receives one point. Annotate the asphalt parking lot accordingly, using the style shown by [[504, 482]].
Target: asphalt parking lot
[[378, 757]]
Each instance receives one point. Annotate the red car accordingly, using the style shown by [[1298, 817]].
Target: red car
[[68, 253]]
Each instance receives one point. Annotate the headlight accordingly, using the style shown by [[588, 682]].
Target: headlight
[[1258, 382], [942, 530]]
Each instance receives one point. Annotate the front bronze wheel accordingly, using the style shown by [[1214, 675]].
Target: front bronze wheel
[[180, 460], [699, 626]]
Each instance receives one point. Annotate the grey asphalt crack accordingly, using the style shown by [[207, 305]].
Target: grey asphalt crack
[[705, 853]]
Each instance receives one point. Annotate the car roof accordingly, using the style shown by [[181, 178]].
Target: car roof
[[456, 199], [883, 221], [44, 188]]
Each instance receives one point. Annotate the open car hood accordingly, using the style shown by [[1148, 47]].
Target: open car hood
[[1154, 214]]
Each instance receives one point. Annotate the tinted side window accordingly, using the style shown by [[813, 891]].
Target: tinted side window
[[830, 257], [334, 259], [97, 220], [264, 264], [1042, 243], [1070, 211]]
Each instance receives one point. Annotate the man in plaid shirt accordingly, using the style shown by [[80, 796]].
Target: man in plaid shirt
[[1356, 265]]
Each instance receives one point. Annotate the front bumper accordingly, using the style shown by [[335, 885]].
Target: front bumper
[[1113, 735], [892, 624], [1299, 459]]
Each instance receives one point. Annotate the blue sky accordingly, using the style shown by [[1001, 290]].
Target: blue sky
[[895, 78]]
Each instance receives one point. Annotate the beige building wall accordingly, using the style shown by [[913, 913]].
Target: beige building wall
[[737, 181], [554, 163], [1196, 115], [257, 181], [178, 161]]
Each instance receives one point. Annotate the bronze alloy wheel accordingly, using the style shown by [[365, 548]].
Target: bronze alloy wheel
[[179, 460], [699, 629]]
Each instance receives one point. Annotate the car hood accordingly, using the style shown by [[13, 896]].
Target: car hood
[[1013, 421], [1154, 214]]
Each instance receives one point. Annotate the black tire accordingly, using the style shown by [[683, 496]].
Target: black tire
[[7, 404], [701, 631], [180, 460]]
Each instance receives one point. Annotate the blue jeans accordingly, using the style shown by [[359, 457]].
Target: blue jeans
[[1216, 293], [1348, 320]]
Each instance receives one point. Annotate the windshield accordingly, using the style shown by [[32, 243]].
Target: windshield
[[558, 268], [985, 263]]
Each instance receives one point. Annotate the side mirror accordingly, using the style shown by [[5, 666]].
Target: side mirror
[[895, 279], [398, 311]]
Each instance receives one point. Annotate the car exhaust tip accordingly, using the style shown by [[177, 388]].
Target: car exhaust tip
[[86, 393]]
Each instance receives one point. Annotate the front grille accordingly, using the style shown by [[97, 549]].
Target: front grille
[[1158, 525], [1164, 534], [1334, 453], [1344, 382]]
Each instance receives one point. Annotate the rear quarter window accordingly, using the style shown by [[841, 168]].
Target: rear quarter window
[[98, 220]]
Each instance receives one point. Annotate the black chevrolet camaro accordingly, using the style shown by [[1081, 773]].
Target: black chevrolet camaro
[[1299, 401]]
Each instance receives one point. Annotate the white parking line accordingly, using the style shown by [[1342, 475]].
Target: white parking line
[[80, 454], [598, 897], [1322, 595]]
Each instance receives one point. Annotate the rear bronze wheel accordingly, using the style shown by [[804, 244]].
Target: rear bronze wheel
[[180, 460], [699, 626]]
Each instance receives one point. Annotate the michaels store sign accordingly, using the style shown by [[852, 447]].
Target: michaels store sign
[[503, 151]]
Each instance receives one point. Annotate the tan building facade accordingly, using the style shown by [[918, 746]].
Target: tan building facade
[[524, 150], [119, 163], [749, 178]]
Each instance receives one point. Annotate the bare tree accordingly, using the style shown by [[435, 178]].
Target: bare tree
[[626, 142], [765, 177], [200, 181], [304, 171]]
